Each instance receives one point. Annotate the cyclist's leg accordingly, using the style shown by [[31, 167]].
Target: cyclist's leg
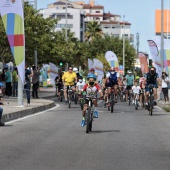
[[65, 93], [146, 95], [109, 93], [83, 114], [127, 93], [115, 91], [95, 108], [155, 95]]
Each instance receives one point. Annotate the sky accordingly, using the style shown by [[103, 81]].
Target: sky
[[140, 13]]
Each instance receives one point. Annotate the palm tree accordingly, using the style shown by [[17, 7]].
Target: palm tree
[[93, 30]]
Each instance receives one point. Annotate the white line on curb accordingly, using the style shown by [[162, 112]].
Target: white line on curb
[[36, 114]]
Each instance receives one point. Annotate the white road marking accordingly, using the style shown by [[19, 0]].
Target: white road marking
[[36, 114]]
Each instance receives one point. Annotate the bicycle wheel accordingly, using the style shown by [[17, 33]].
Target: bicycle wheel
[[136, 104], [61, 96], [112, 102], [151, 105], [69, 100], [130, 98], [121, 97], [88, 120], [91, 121], [143, 101], [76, 98]]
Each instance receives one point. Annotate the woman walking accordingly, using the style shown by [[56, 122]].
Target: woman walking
[[165, 81], [35, 82]]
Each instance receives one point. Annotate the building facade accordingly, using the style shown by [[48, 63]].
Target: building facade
[[75, 17]]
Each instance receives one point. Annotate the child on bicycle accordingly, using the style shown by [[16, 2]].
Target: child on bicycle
[[80, 85], [136, 91], [91, 89]]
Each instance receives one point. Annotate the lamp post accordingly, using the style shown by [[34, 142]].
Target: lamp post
[[123, 46], [137, 43], [162, 34], [66, 19]]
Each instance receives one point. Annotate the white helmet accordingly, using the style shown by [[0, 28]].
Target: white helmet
[[129, 71], [75, 69]]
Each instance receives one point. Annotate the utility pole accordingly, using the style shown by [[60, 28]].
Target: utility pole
[[162, 34], [123, 45], [66, 19], [137, 43]]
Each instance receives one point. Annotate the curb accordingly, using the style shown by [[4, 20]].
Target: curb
[[19, 114]]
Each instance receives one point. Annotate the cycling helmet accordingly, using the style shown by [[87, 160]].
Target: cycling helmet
[[92, 69], [91, 76], [75, 69], [129, 71], [137, 77], [1, 84]]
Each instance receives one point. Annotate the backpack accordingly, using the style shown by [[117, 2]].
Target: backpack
[[113, 78]]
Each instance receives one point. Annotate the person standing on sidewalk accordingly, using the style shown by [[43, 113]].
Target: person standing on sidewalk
[[1, 111], [27, 85], [15, 82], [35, 82], [165, 81], [8, 80]]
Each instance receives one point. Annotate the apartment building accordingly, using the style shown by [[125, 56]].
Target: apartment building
[[75, 17]]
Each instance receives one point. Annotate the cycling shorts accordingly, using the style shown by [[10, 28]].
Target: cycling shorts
[[129, 87], [147, 89]]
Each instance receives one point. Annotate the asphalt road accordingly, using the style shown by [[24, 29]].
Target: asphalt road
[[54, 140]]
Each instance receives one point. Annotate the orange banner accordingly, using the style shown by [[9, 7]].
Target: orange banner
[[143, 62]]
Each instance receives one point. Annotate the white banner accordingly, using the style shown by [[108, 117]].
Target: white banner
[[155, 56], [90, 64], [98, 66], [53, 72]]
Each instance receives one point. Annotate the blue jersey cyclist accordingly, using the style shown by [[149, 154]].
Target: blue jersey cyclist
[[151, 78], [111, 80]]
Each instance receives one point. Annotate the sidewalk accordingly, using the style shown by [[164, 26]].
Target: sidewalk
[[11, 110]]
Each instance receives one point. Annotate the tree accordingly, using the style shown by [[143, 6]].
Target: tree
[[93, 30]]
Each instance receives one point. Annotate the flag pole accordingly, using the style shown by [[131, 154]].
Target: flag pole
[[20, 84]]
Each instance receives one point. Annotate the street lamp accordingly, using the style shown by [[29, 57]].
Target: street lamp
[[123, 46]]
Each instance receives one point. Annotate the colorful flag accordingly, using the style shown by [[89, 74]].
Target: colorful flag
[[13, 20], [98, 66], [112, 60], [143, 62]]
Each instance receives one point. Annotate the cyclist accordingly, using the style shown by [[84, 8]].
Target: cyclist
[[91, 89], [69, 78], [151, 78], [136, 91], [112, 78], [129, 83], [59, 84], [92, 71], [80, 85]]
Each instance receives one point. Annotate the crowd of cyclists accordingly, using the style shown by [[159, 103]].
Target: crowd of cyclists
[[127, 85]]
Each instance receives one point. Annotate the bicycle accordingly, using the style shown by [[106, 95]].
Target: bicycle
[[61, 95], [130, 97], [143, 97], [136, 102], [69, 96], [82, 100], [151, 99], [89, 114], [112, 101]]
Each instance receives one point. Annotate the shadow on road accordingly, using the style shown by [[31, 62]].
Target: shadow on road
[[104, 131]]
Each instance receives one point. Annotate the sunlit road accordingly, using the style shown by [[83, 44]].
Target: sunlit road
[[54, 140]]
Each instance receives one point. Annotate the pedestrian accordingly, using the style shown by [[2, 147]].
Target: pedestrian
[[27, 85], [1, 111], [15, 82], [8, 80], [165, 81], [3, 81], [35, 82]]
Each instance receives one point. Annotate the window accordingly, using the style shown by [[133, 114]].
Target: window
[[97, 11], [64, 25]]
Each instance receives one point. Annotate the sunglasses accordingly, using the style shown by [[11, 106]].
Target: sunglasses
[[70, 69]]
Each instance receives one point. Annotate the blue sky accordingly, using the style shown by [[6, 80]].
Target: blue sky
[[140, 13]]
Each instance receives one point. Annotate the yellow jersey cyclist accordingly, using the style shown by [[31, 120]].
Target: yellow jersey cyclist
[[69, 78], [91, 89]]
